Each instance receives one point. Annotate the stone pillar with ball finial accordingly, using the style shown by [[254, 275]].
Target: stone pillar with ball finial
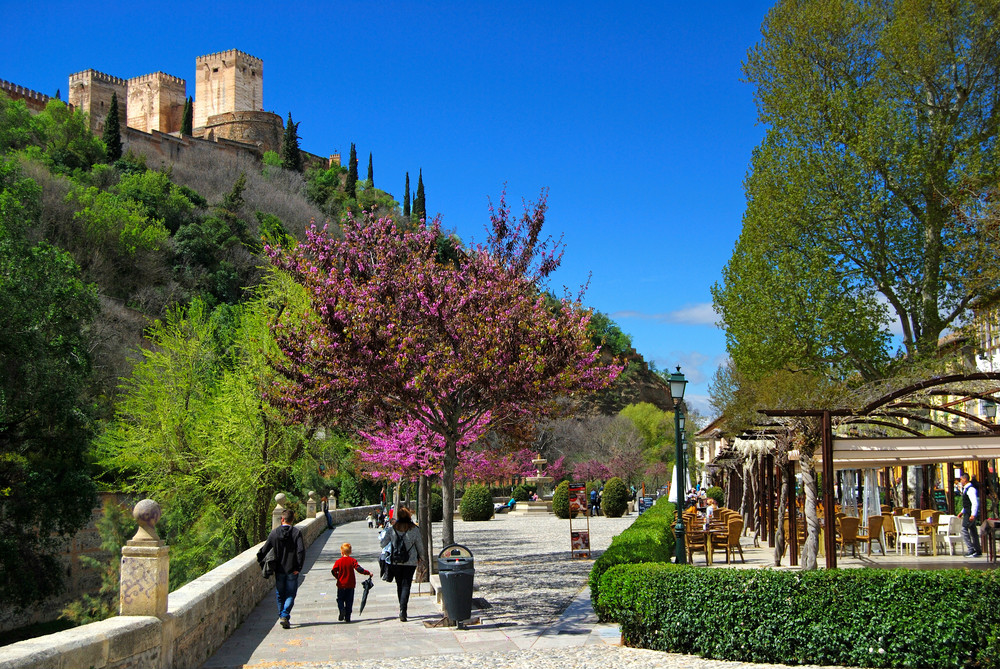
[[278, 508], [145, 571], [311, 505]]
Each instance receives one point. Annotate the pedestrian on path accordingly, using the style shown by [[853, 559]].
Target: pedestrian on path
[[290, 556], [970, 516], [407, 552], [343, 570]]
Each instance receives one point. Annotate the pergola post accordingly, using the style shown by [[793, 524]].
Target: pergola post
[[949, 487], [772, 500], [906, 488], [793, 525], [829, 515]]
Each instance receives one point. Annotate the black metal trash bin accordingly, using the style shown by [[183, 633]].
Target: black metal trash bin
[[457, 570]]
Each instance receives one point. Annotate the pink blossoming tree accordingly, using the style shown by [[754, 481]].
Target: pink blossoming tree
[[398, 331]]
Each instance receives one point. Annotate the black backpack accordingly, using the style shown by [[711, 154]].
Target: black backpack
[[399, 554]]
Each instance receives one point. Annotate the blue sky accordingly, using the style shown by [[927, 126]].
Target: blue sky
[[633, 117]]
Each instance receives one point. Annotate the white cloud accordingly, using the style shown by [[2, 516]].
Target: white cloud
[[693, 314]]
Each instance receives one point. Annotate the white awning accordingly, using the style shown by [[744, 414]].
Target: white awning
[[854, 453]]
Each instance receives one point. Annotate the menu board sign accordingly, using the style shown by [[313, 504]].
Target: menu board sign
[[941, 500]]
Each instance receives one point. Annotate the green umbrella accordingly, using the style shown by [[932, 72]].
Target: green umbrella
[[366, 585]]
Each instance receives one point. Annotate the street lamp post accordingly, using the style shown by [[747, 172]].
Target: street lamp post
[[677, 385]]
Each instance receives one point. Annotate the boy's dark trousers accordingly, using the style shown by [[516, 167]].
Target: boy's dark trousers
[[345, 602]]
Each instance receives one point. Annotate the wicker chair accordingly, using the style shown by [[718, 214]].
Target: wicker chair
[[876, 524], [847, 534]]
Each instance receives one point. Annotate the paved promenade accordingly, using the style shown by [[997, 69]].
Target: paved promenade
[[536, 613]]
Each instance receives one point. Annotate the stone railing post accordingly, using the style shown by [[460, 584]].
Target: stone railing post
[[278, 508], [145, 571], [311, 505], [333, 501]]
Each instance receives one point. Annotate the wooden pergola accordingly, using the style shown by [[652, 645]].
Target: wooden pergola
[[967, 437]]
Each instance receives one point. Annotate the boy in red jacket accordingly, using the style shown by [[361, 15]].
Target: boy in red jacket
[[343, 569]]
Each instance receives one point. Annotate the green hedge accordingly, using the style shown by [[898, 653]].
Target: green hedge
[[477, 503], [614, 504], [649, 539], [437, 508], [560, 500], [852, 617]]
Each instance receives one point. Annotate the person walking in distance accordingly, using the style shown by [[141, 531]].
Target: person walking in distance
[[290, 556], [970, 516], [407, 551]]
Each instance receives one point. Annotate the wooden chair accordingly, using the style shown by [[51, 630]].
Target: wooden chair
[[889, 529], [730, 542], [695, 540], [847, 534], [876, 525]]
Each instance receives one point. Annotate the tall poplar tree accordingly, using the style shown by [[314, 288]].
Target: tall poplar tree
[[112, 135], [406, 197], [187, 124], [419, 204], [351, 187], [291, 157], [371, 172]]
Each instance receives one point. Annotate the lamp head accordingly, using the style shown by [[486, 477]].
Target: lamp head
[[677, 385]]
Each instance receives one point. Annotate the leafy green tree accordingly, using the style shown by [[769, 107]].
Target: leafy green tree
[[406, 197], [419, 203], [605, 333], [65, 138], [192, 423], [15, 124], [44, 428], [187, 121], [352, 173], [161, 198], [112, 132], [291, 156], [371, 172], [883, 123]]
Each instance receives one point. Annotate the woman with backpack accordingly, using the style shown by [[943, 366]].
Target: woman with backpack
[[406, 550]]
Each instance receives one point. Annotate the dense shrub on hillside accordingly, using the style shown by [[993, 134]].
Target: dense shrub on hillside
[[649, 539], [849, 617], [477, 503], [614, 503], [560, 500]]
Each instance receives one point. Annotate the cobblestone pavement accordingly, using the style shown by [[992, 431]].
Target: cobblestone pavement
[[537, 610]]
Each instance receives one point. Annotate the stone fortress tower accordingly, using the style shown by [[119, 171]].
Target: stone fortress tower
[[91, 91], [156, 102], [227, 81], [229, 97]]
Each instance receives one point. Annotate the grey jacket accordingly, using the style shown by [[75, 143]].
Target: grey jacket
[[412, 542]]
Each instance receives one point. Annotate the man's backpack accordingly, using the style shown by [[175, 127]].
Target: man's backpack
[[399, 554]]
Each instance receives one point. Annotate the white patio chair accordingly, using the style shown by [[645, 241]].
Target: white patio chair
[[908, 534], [953, 533]]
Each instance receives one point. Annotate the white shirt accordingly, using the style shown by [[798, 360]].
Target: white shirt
[[967, 489]]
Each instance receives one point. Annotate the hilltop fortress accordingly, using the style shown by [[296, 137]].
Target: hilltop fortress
[[228, 106]]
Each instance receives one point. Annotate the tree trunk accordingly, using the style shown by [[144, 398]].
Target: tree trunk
[[811, 548], [424, 521], [779, 534], [448, 490]]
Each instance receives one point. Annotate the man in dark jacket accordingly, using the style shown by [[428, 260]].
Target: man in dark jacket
[[290, 556]]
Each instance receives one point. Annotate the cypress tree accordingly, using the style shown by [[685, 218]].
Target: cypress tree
[[406, 197], [291, 157], [371, 173], [352, 173], [419, 204], [112, 132], [187, 124]]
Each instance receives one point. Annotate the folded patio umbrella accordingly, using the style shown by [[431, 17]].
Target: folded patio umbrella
[[366, 585]]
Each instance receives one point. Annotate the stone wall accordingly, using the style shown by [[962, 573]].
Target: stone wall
[[259, 128], [34, 100], [159, 147], [200, 617], [225, 82], [90, 91]]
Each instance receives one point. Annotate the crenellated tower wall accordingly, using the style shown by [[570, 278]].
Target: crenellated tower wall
[[91, 91], [226, 82], [156, 102]]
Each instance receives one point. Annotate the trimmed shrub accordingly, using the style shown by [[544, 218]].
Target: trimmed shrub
[[716, 493], [521, 493], [477, 503], [614, 503], [437, 508], [849, 617], [649, 539], [560, 500]]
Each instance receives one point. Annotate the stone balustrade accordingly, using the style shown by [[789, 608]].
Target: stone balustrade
[[199, 617]]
